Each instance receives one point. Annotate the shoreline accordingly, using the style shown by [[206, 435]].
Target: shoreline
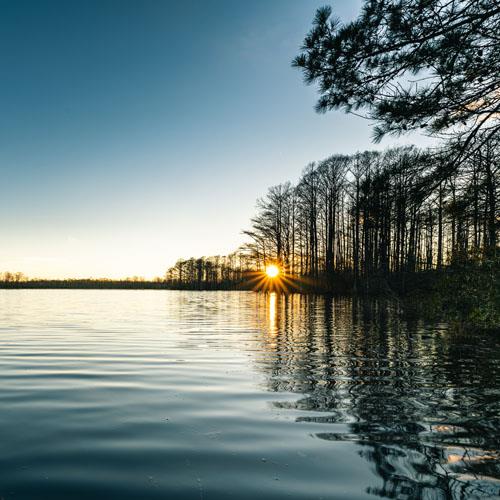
[[438, 296]]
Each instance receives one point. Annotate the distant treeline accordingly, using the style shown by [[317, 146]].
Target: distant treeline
[[83, 283], [9, 280], [20, 280], [208, 273]]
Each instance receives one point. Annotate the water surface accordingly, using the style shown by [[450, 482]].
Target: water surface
[[215, 395]]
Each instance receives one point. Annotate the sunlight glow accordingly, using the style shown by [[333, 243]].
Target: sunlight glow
[[272, 271]]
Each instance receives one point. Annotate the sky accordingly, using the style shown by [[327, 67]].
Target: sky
[[133, 133]]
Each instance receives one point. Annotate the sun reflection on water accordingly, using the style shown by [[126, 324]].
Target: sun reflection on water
[[273, 326]]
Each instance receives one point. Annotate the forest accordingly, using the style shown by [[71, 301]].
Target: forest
[[374, 222]]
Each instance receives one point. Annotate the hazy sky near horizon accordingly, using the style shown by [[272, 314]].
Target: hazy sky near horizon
[[136, 132]]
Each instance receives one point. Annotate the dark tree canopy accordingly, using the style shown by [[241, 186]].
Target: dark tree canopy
[[411, 64]]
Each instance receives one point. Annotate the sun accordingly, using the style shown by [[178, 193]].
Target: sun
[[272, 271]]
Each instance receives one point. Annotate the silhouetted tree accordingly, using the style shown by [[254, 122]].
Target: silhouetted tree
[[410, 64]]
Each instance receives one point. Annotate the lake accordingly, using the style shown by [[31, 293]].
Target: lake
[[133, 394]]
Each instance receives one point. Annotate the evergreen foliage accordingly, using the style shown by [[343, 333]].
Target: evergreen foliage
[[411, 64]]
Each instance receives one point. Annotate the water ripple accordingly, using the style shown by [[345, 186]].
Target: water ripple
[[215, 395]]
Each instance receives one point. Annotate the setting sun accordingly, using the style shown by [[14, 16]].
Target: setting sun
[[272, 271]]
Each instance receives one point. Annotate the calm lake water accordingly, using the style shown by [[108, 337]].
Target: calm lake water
[[215, 395]]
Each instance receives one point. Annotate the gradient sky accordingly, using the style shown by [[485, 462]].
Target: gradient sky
[[136, 132]]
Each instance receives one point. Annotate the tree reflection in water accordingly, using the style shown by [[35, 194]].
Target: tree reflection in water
[[420, 401]]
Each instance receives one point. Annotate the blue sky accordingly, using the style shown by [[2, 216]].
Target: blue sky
[[136, 132]]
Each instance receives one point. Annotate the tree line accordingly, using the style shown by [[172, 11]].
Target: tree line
[[373, 214], [359, 220], [20, 280], [219, 272]]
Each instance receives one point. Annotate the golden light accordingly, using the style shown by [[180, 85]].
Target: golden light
[[272, 271], [272, 278]]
